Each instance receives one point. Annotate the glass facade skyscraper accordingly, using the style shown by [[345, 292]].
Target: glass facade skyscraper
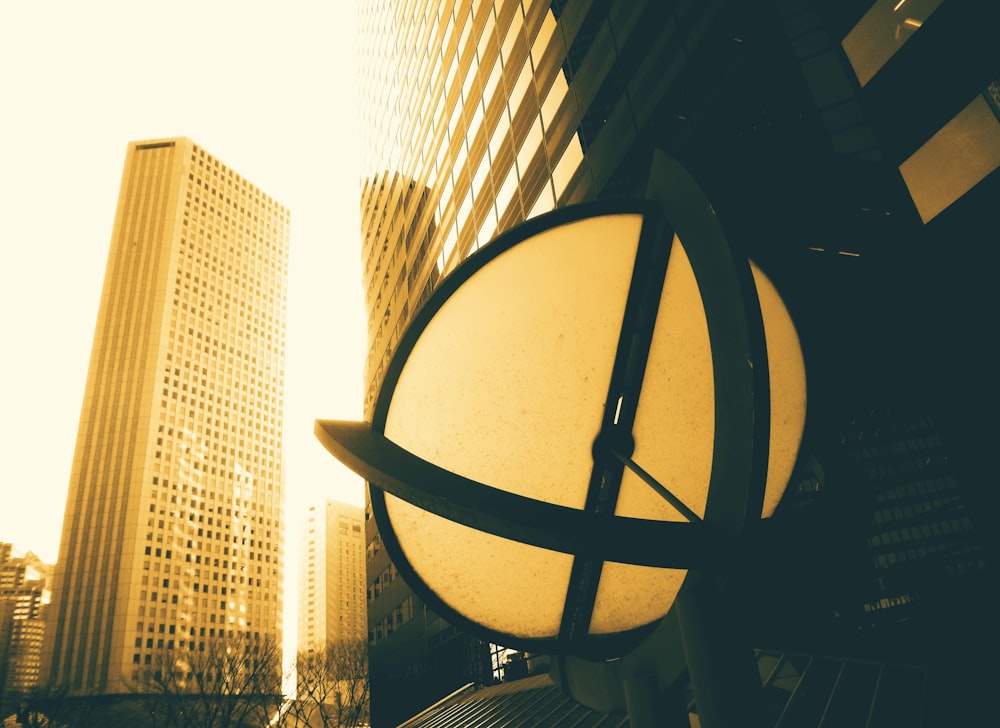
[[173, 531], [462, 153], [469, 133]]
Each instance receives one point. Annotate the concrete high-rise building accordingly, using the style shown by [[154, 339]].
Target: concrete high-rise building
[[16, 570], [173, 535], [332, 581], [869, 207], [24, 597], [22, 628]]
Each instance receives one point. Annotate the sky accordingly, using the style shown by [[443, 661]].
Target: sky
[[269, 89]]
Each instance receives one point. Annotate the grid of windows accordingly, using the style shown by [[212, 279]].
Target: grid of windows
[[215, 502], [492, 143], [332, 579], [920, 522], [185, 392], [481, 114]]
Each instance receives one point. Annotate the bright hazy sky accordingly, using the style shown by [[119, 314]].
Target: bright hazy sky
[[268, 89]]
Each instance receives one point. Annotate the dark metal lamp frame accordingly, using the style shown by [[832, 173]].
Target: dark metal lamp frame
[[594, 535]]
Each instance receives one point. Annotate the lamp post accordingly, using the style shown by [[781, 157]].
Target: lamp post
[[591, 413]]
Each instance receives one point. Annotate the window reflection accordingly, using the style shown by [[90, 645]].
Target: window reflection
[[479, 178], [460, 156], [571, 159], [492, 81], [956, 158], [506, 192], [553, 100], [521, 86], [530, 145], [545, 33], [487, 228], [449, 246], [503, 126], [546, 202], [470, 87], [882, 31], [465, 209], [477, 118], [450, 78], [487, 33], [513, 33], [466, 30], [449, 31]]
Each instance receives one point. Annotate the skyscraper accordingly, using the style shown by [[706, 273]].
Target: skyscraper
[[798, 119], [24, 597], [332, 583], [172, 535]]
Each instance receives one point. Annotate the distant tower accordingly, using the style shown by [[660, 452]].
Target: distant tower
[[24, 597], [332, 584], [173, 529]]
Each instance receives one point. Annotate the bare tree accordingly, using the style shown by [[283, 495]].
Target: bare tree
[[45, 705], [333, 686], [48, 706], [232, 683]]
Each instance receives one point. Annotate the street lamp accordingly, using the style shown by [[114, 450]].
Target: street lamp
[[599, 401]]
